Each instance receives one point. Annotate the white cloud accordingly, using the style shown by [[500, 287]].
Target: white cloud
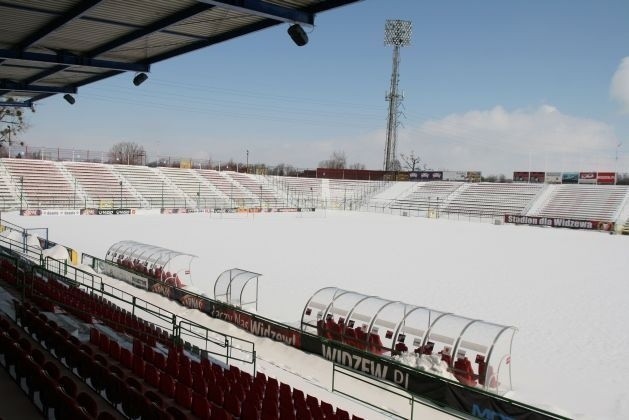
[[619, 89], [501, 141], [494, 141]]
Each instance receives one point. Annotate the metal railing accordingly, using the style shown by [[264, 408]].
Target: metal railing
[[184, 331], [384, 396]]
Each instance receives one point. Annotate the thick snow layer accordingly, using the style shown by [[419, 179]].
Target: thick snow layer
[[565, 290], [58, 252]]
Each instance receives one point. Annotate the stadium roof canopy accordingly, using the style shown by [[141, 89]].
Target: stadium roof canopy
[[56, 46]]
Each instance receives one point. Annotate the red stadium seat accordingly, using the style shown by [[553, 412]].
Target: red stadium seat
[[463, 371], [138, 366], [166, 385], [375, 344], [94, 336], [201, 407], [183, 395], [215, 394], [126, 358], [151, 375], [400, 347]]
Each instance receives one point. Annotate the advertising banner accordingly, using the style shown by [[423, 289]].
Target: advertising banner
[[106, 212], [252, 323], [559, 222], [521, 177], [174, 211], [553, 177], [450, 394], [570, 178], [30, 212], [50, 212], [474, 176], [454, 175], [537, 177], [426, 176], [587, 178], [606, 178]]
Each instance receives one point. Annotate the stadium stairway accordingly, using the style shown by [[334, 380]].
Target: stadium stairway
[[540, 201]]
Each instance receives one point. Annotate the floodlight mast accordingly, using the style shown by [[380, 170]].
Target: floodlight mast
[[398, 34]]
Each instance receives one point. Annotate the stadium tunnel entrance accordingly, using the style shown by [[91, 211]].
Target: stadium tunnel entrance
[[477, 353], [166, 265]]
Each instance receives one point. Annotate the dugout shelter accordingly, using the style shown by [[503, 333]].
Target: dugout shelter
[[477, 352]]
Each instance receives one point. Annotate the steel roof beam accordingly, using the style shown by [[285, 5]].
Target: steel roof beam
[[57, 23], [72, 60], [44, 73], [214, 40], [23, 87], [152, 28], [24, 104], [265, 10], [329, 4]]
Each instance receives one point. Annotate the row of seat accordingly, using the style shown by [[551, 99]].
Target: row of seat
[[157, 273], [461, 367], [50, 293], [44, 379], [177, 380], [352, 336]]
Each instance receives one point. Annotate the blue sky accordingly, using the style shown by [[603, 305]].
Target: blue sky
[[490, 85]]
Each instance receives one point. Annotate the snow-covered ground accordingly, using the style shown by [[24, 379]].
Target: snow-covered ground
[[565, 290]]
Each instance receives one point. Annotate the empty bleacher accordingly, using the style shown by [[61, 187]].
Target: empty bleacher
[[152, 187], [41, 184], [297, 189], [426, 195], [267, 196], [102, 186], [590, 202], [9, 200], [196, 187], [348, 194], [492, 199], [238, 196]]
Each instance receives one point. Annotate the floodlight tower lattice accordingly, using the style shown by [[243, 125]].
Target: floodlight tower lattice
[[398, 34]]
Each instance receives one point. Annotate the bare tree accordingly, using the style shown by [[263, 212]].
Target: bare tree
[[357, 166], [337, 160], [283, 169], [12, 123], [412, 161], [127, 153]]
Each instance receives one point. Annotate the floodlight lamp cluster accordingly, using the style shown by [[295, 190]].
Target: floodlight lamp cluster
[[398, 32]]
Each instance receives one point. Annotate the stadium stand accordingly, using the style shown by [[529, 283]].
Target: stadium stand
[[590, 202], [154, 188], [9, 195], [267, 196], [426, 195], [125, 366], [197, 188], [492, 199], [44, 185], [102, 186], [351, 194], [296, 189], [237, 195]]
